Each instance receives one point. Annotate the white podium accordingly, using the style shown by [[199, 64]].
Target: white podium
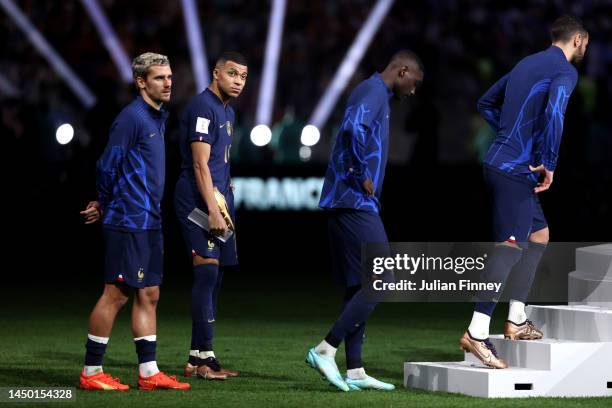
[[573, 360]]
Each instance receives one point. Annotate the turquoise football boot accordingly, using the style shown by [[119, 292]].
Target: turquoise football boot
[[368, 383], [326, 366]]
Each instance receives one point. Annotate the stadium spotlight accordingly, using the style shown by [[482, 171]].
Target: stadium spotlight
[[64, 133], [350, 63], [267, 85], [109, 39], [61, 68], [261, 135], [197, 49], [310, 135]]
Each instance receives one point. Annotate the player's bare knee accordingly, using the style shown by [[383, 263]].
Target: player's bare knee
[[116, 295], [541, 237], [200, 260], [148, 295]]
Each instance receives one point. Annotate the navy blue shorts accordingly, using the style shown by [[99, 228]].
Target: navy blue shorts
[[516, 207], [133, 257], [199, 241], [349, 230]]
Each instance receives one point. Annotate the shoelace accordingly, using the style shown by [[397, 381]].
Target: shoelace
[[491, 347], [530, 326]]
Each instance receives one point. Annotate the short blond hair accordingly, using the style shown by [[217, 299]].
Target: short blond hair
[[142, 63]]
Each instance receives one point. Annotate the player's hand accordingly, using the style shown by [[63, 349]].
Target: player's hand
[[368, 186], [546, 181], [216, 224], [92, 212]]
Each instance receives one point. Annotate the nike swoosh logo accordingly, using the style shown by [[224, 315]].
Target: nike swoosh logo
[[211, 321], [220, 126], [152, 135]]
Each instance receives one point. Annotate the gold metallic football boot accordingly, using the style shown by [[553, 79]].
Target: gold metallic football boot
[[208, 373], [525, 331], [190, 370], [483, 350]]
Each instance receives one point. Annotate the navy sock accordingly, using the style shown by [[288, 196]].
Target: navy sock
[[216, 290], [497, 269], [94, 353], [202, 308], [354, 339], [523, 273], [355, 313], [145, 350]]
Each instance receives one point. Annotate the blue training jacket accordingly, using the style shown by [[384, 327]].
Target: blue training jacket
[[361, 149], [526, 108], [131, 171]]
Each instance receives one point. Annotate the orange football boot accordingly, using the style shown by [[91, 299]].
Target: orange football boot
[[101, 381], [161, 381]]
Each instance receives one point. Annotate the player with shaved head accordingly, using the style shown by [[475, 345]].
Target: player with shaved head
[[351, 196], [526, 108]]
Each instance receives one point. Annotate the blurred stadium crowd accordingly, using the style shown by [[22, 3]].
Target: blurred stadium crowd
[[465, 45]]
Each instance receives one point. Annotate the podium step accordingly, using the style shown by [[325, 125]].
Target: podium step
[[465, 378], [576, 322], [573, 360], [596, 260], [590, 290], [546, 354]]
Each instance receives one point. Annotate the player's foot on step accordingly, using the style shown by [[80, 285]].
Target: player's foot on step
[[524, 331], [483, 350]]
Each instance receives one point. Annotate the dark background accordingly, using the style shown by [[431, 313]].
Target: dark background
[[433, 189]]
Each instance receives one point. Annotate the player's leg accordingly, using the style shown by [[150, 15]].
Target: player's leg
[[476, 338], [517, 326], [217, 290], [99, 329], [228, 257], [353, 341], [204, 251], [144, 329], [146, 281], [348, 231], [322, 357], [116, 293], [356, 377], [202, 360], [512, 220]]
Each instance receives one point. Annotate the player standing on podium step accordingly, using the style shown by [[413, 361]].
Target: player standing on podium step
[[526, 108], [206, 140], [130, 184], [351, 195]]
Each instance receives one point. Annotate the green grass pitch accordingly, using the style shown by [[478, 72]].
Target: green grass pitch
[[263, 332]]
